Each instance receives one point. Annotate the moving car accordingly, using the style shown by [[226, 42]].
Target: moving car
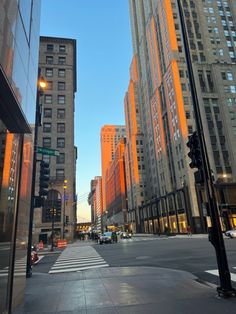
[[108, 237], [231, 233], [125, 235]]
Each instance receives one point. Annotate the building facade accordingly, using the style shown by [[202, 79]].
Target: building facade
[[174, 200], [109, 138], [95, 201], [134, 151], [19, 42], [115, 185], [57, 61]]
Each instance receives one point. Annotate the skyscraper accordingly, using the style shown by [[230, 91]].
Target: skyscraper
[[19, 41], [167, 113], [109, 138], [57, 60]]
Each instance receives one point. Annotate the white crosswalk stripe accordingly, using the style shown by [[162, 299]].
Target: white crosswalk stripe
[[216, 273], [74, 259], [20, 268]]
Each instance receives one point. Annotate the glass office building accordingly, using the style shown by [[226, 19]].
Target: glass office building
[[19, 43]]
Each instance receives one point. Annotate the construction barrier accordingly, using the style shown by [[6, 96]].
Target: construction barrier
[[40, 246], [61, 243]]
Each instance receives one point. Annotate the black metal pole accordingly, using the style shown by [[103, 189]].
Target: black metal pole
[[215, 234], [63, 216], [31, 217], [52, 244]]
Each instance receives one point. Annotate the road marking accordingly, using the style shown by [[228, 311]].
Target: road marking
[[74, 259], [216, 273]]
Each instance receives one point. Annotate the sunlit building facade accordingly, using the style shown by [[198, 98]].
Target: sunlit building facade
[[19, 42], [109, 138], [173, 197], [95, 201], [115, 185], [57, 61], [134, 151]]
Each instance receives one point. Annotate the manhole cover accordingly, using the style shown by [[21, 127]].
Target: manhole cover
[[143, 257]]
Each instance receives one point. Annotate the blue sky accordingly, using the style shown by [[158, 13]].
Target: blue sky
[[104, 53]]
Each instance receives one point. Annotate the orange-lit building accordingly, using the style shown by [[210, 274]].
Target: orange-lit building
[[172, 198], [134, 150], [115, 185], [109, 138]]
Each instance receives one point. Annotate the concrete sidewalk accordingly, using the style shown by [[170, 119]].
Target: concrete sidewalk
[[122, 290]]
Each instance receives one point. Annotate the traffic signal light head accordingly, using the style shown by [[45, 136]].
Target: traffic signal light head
[[195, 152], [44, 178]]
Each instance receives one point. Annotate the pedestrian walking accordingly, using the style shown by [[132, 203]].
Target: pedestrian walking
[[189, 231]]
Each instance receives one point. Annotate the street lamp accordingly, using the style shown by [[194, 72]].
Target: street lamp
[[64, 209], [41, 86], [215, 234]]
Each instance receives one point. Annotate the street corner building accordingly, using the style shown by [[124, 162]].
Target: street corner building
[[164, 193], [57, 217], [19, 42]]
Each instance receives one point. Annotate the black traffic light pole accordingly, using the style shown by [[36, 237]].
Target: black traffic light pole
[[215, 234], [31, 216]]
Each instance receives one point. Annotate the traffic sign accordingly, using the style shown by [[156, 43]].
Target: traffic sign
[[47, 151]]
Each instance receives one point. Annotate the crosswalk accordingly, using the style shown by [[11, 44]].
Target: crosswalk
[[215, 272], [74, 259], [20, 268]]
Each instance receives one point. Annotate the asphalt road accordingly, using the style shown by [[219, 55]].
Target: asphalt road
[[188, 254]]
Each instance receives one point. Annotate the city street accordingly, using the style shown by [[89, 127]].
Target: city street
[[139, 275]]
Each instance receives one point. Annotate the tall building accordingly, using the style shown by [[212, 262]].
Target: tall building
[[115, 185], [174, 200], [134, 151], [19, 42], [57, 61], [95, 200], [109, 138]]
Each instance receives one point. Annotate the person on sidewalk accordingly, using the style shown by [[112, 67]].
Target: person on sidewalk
[[189, 231]]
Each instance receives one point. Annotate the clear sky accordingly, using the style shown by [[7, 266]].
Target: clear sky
[[104, 53]]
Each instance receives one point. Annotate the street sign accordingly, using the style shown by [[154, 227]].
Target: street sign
[[47, 151]]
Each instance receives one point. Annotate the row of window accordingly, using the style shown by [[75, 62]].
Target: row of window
[[59, 160], [60, 72], [61, 113], [47, 127], [51, 48], [61, 99], [47, 142]]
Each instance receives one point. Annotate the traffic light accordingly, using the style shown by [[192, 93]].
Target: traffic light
[[195, 152], [67, 220], [44, 178]]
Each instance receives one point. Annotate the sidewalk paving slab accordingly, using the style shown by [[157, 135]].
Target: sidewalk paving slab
[[122, 290]]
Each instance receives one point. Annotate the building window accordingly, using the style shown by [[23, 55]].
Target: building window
[[60, 142], [47, 113], [62, 48], [61, 85], [61, 99], [188, 116], [60, 127], [62, 60], [49, 72], [49, 85], [47, 127], [60, 173], [61, 158], [50, 47], [61, 114], [49, 59], [61, 72], [46, 142], [47, 99], [46, 158]]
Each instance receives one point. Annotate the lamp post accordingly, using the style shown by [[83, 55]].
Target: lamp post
[[215, 234], [64, 209], [41, 86]]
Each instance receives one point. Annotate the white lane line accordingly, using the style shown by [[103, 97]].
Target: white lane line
[[76, 258], [77, 264], [216, 273], [76, 269]]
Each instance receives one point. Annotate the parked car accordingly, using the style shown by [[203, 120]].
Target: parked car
[[231, 233], [125, 235], [108, 237]]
